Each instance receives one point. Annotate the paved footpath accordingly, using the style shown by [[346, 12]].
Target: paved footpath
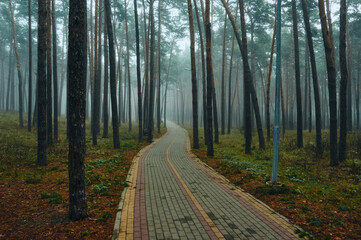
[[172, 195]]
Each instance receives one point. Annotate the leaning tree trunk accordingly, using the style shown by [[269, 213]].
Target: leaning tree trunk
[[41, 83], [297, 76], [139, 83], [247, 72], [210, 151], [194, 78], [113, 96], [314, 77], [17, 67], [30, 70], [331, 72], [343, 83], [77, 72], [55, 72]]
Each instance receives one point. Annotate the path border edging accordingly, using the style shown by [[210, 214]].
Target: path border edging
[[121, 203]]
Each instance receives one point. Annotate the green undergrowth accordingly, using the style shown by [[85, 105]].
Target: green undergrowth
[[310, 185]]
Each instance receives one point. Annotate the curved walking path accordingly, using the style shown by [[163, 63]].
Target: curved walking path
[[172, 195]]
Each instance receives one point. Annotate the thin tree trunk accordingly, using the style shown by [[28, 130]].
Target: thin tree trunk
[[343, 84], [30, 70], [152, 73], [314, 77], [41, 83], [106, 85], [159, 63], [128, 68], [9, 75], [55, 73], [49, 94], [112, 75], [21, 123], [139, 83], [204, 90], [349, 77], [331, 71], [297, 76], [210, 151], [194, 78], [223, 90]]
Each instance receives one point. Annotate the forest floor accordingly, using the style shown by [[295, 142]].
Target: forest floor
[[324, 201], [34, 200]]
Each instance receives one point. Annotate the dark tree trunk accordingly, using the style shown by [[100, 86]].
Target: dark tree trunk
[[159, 64], [229, 125], [331, 71], [210, 151], [21, 121], [113, 96], [106, 85], [349, 77], [41, 83], [343, 85], [139, 83], [152, 73], [49, 98], [30, 70], [358, 95], [204, 90], [297, 76], [55, 73], [314, 77], [223, 90], [194, 78], [128, 69], [77, 71], [166, 84]]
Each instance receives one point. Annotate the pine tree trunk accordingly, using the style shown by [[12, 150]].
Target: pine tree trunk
[[297, 76], [152, 73], [349, 77], [30, 70], [21, 123], [139, 83], [49, 98], [343, 84], [112, 75], [55, 73], [314, 77], [204, 90], [77, 73], [331, 71], [194, 78], [210, 151], [128, 69], [159, 64], [9, 76], [41, 83], [223, 90], [106, 85], [230, 88]]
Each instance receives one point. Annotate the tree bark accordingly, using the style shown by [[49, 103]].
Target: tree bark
[[210, 151], [331, 71], [18, 67], [159, 63], [247, 72], [112, 75], [106, 85], [343, 84], [297, 76], [41, 83], [314, 77], [30, 70], [55, 72], [152, 73], [139, 83], [77, 71], [194, 78], [223, 90], [49, 98]]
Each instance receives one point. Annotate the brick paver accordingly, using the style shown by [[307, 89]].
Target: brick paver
[[172, 195]]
